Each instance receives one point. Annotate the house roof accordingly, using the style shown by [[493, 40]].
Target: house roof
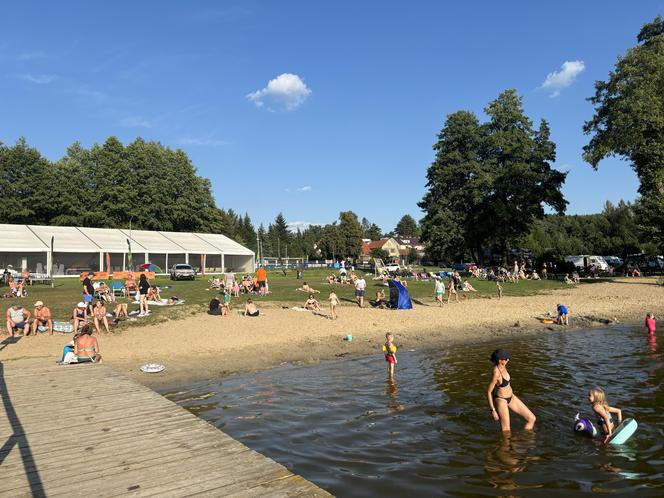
[[407, 241]]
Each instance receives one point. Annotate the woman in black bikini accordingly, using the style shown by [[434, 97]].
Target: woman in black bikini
[[500, 395]]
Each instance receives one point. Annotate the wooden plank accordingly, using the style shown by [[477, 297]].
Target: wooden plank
[[90, 424]]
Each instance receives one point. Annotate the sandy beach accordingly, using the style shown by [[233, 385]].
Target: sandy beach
[[203, 346]]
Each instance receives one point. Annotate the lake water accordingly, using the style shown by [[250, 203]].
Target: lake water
[[345, 427]]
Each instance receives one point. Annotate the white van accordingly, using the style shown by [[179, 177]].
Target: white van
[[586, 261]]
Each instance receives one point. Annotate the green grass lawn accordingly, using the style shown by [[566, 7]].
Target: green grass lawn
[[67, 292]]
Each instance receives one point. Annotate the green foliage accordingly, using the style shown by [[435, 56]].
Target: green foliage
[[350, 233], [371, 230], [489, 182], [407, 227], [613, 231], [380, 254], [629, 122], [279, 237], [109, 186]]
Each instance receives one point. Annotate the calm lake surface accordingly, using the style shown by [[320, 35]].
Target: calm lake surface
[[345, 427]]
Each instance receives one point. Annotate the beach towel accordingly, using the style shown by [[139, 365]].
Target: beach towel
[[163, 302]]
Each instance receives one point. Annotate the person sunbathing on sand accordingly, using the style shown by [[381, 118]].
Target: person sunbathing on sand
[[311, 304], [306, 288], [250, 308], [467, 287]]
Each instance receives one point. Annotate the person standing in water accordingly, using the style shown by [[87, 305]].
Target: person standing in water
[[651, 324], [501, 397], [390, 351]]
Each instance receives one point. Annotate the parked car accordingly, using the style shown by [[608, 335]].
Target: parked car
[[613, 261], [464, 266], [392, 267], [182, 271], [585, 261], [645, 262]]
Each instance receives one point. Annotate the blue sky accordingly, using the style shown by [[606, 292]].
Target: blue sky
[[311, 108]]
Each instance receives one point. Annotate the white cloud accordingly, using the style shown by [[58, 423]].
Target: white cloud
[[202, 141], [294, 226], [286, 91], [38, 79], [558, 80], [306, 188], [135, 122]]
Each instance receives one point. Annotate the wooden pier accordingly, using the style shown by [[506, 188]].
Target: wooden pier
[[86, 430]]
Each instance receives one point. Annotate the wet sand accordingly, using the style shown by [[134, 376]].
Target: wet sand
[[203, 346]]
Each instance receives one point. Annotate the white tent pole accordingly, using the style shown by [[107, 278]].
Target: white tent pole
[[147, 258], [223, 263], [166, 269], [101, 261], [186, 257], [124, 266]]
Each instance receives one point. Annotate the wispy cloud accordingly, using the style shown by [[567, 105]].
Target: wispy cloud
[[135, 122], [38, 79], [306, 188], [557, 80], [287, 91], [205, 141]]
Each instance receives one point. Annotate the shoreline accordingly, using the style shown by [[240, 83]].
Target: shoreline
[[200, 346]]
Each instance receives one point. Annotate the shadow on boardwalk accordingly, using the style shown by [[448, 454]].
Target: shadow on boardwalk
[[18, 438]]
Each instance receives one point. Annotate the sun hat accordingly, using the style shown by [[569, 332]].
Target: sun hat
[[499, 354], [39, 303], [81, 305]]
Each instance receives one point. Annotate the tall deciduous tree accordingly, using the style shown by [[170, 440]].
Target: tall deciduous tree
[[629, 122], [489, 182], [457, 183], [350, 232]]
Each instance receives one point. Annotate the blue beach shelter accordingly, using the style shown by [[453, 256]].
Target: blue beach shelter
[[399, 296]]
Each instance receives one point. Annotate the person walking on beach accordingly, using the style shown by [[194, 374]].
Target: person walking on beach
[[452, 291], [499, 289], [334, 302], [651, 324], [143, 288], [261, 279], [439, 290], [501, 397], [390, 351], [360, 287]]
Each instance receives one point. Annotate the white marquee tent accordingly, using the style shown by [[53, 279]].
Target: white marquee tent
[[77, 249]]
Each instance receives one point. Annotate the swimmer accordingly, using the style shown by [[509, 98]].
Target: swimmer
[[651, 324], [501, 397], [390, 351], [600, 405]]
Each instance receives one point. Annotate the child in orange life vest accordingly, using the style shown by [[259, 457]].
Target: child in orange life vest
[[390, 351]]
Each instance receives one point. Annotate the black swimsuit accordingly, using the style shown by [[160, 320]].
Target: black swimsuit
[[504, 383]]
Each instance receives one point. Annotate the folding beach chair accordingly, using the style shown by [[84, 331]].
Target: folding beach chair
[[117, 288]]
